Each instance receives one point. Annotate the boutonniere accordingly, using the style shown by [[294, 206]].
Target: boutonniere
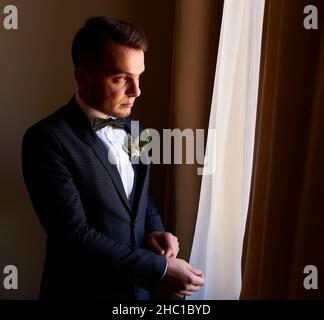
[[136, 146]]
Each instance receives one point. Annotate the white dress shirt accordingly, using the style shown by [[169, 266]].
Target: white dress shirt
[[113, 139]]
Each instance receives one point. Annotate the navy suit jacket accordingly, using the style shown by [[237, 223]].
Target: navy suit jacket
[[95, 234]]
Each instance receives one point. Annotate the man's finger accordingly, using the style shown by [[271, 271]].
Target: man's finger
[[156, 246], [197, 272], [169, 253], [192, 288], [198, 281], [186, 292], [172, 249]]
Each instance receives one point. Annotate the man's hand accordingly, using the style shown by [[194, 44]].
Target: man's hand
[[181, 278], [163, 243]]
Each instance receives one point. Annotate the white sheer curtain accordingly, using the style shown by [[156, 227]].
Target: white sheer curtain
[[218, 239]]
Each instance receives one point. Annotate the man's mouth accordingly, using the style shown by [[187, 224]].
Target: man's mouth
[[127, 105]]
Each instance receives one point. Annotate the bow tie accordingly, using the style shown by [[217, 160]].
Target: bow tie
[[99, 123]]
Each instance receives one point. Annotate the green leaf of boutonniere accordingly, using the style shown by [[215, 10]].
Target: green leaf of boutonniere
[[135, 147], [143, 143]]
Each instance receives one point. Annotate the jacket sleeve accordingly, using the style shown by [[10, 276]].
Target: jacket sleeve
[[57, 202], [153, 220]]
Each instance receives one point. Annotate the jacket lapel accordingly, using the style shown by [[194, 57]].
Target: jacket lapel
[[82, 128], [140, 175]]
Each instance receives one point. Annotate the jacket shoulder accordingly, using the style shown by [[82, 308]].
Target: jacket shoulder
[[54, 120], [46, 126], [51, 120]]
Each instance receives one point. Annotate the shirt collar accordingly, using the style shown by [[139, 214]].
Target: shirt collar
[[90, 112]]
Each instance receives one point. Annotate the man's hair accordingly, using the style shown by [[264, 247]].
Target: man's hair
[[89, 42]]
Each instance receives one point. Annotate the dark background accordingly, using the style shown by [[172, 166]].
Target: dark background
[[36, 78]]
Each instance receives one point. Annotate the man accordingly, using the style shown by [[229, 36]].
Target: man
[[105, 236]]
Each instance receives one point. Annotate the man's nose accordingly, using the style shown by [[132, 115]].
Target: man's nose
[[133, 89]]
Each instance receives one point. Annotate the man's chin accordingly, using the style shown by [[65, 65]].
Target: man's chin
[[125, 113]]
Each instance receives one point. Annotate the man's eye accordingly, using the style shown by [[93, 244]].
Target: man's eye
[[120, 79]]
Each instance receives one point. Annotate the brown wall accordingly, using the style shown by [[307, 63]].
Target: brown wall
[[35, 79]]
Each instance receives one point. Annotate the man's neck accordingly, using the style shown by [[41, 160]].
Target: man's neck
[[89, 111]]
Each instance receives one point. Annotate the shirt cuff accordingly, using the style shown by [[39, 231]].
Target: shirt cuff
[[165, 270]]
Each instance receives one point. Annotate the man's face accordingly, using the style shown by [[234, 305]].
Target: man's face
[[115, 86]]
